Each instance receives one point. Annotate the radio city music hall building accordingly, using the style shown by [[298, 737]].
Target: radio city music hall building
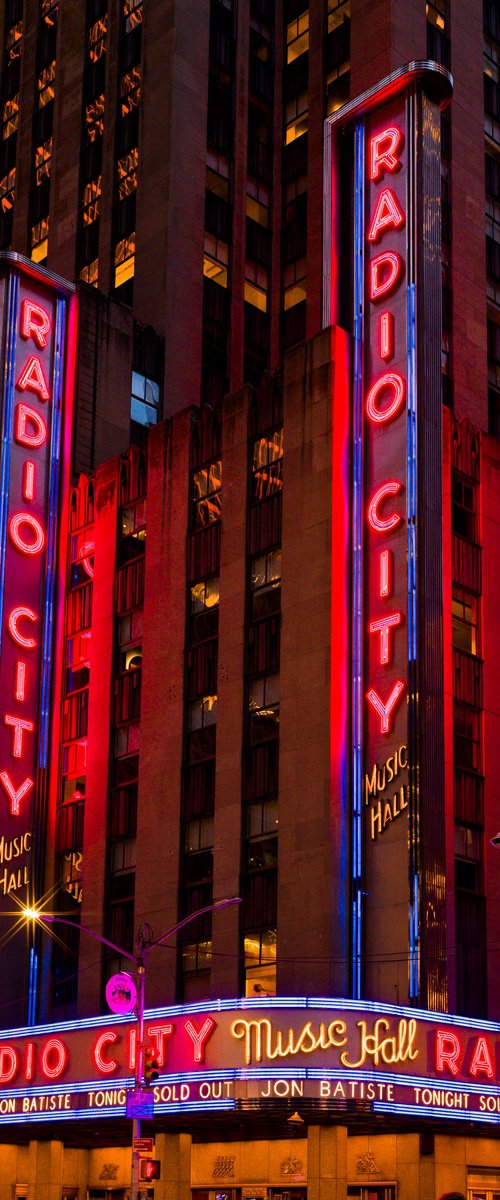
[[249, 590]]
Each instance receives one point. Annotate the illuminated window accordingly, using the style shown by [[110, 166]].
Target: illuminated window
[[256, 285], [215, 259], [464, 620], [127, 173], [266, 584], [10, 117], [297, 37], [40, 240], [132, 13], [296, 118], [7, 190], [199, 834], [130, 90], [90, 273], [46, 84], [130, 629], [77, 661], [262, 818], [207, 493], [435, 11], [125, 260], [338, 12], [81, 559], [94, 118], [463, 508], [294, 283], [258, 202], [43, 156], [260, 962], [465, 736], [217, 175], [202, 712], [196, 956], [75, 710], [13, 42], [144, 400], [90, 200], [49, 12], [337, 87], [96, 38], [267, 465], [204, 609], [133, 531], [264, 707]]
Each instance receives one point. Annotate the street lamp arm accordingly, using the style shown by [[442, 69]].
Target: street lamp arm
[[192, 917], [48, 918]]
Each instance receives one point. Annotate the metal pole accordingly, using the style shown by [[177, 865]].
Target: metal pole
[[139, 1059]]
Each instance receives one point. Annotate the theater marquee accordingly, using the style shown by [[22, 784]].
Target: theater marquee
[[383, 285], [342, 1054]]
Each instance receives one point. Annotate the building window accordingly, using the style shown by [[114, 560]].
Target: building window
[[46, 84], [132, 14], [262, 818], [294, 283], [256, 285], [338, 12], [7, 190], [90, 200], [90, 273], [204, 609], [217, 174], [130, 630], [132, 531], [266, 584], [13, 42], [260, 962], [202, 712], [464, 620], [465, 736], [338, 84], [264, 707], [43, 155], [197, 956], [130, 90], [207, 494], [94, 118], [144, 400], [77, 662], [40, 240], [258, 202], [82, 560], [435, 12], [463, 508], [468, 855], [297, 37], [125, 260], [97, 38], [215, 259], [10, 117], [267, 465], [127, 173], [296, 118], [49, 12]]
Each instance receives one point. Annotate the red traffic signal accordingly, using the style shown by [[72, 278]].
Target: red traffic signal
[[150, 1168], [151, 1067]]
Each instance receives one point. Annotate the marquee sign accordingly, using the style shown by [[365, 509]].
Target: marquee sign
[[37, 335], [347, 1055], [389, 146]]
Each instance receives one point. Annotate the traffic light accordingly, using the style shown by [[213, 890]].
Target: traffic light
[[150, 1168], [151, 1071]]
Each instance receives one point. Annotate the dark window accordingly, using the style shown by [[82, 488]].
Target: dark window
[[463, 508]]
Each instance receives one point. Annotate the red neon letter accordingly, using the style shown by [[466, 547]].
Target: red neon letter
[[157, 1035], [20, 684], [17, 724], [29, 1068], [384, 710], [201, 1037], [28, 480], [390, 382], [28, 643], [382, 524], [385, 566], [387, 215], [34, 524], [24, 414], [105, 1066], [35, 322], [384, 149], [33, 379], [448, 1049], [61, 1058], [15, 797], [9, 1063], [481, 1059], [386, 327], [380, 285], [382, 626]]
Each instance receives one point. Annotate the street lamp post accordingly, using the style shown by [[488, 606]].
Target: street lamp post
[[144, 946]]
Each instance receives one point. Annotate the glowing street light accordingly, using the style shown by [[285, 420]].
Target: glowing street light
[[145, 943]]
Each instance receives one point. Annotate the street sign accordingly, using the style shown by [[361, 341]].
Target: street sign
[[140, 1105], [121, 993], [145, 1145]]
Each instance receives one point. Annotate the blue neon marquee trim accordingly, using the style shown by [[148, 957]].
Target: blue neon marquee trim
[[357, 566]]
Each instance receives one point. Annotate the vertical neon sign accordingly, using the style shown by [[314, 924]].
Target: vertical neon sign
[[390, 145], [35, 434]]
